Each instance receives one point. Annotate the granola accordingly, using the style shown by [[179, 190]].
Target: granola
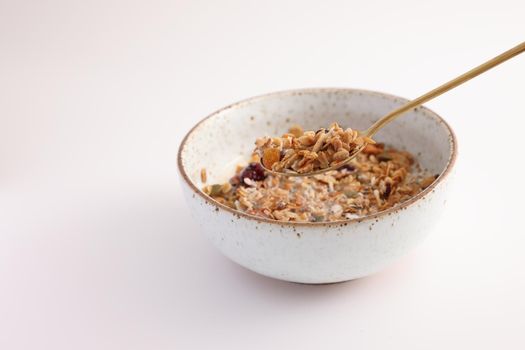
[[306, 151], [376, 179]]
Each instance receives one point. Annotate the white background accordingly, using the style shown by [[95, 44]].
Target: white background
[[97, 248]]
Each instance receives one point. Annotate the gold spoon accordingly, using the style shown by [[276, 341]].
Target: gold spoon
[[411, 105]]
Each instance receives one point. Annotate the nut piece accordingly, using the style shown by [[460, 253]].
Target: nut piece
[[319, 143], [341, 155], [296, 130], [306, 140], [226, 187], [323, 160], [427, 181], [373, 149]]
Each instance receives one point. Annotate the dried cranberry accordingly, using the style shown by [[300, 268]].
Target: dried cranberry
[[254, 171]]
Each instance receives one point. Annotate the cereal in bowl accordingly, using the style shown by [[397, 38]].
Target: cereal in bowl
[[378, 178]]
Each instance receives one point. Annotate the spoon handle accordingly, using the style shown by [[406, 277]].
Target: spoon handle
[[445, 87]]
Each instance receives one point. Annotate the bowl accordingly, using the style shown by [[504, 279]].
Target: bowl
[[314, 252]]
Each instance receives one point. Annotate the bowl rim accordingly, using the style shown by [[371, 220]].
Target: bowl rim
[[291, 92]]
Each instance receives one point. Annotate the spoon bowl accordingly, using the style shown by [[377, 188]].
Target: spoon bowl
[[291, 173]]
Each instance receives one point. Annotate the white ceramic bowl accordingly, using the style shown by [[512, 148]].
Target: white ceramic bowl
[[314, 252]]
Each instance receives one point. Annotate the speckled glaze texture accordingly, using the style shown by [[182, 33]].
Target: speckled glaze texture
[[314, 252]]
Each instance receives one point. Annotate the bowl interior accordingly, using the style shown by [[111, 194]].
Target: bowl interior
[[226, 138]]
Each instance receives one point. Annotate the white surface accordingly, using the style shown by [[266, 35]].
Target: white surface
[[97, 250]]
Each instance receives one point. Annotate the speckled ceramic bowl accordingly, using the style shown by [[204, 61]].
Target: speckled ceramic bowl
[[314, 252]]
